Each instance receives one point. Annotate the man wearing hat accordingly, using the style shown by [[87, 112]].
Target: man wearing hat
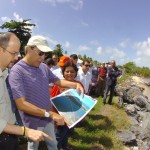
[[29, 80]]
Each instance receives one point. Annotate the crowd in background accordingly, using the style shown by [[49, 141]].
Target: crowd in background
[[33, 80]]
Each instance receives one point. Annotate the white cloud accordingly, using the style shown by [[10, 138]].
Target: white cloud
[[124, 43], [5, 19], [75, 4], [115, 53], [94, 42], [99, 50], [13, 1], [84, 23], [83, 48], [143, 53], [51, 41], [17, 17], [67, 44]]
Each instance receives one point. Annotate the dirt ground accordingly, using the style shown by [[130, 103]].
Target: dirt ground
[[147, 88]]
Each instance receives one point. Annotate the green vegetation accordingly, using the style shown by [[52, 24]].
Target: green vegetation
[[98, 130], [22, 29], [131, 69]]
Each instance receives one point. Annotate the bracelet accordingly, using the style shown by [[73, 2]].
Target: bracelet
[[26, 132], [23, 130]]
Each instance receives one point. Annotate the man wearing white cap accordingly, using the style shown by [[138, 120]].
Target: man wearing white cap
[[29, 80]]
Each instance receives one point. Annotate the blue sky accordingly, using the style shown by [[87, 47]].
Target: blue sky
[[101, 29]]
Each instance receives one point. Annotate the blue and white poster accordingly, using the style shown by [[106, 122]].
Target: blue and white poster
[[73, 106]]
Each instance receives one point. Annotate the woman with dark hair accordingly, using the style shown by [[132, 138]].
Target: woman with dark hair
[[69, 71]]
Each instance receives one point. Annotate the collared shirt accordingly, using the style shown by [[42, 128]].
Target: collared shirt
[[85, 79], [32, 83], [6, 114]]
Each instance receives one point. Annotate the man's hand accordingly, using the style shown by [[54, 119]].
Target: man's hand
[[36, 135], [80, 89], [57, 118]]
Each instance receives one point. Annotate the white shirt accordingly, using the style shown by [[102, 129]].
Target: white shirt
[[58, 73], [6, 114], [54, 68], [85, 79]]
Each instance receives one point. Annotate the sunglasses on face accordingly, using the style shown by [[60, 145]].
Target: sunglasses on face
[[87, 65], [40, 53]]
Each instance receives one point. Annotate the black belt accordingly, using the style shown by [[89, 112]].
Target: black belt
[[4, 137]]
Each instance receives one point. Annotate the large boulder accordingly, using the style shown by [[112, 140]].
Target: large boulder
[[130, 93]]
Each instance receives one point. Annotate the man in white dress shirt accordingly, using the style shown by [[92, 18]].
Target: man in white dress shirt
[[84, 76]]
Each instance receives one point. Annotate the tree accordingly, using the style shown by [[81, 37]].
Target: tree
[[130, 67], [58, 50], [21, 29]]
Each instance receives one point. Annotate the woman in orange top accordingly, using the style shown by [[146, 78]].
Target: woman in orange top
[[69, 71]]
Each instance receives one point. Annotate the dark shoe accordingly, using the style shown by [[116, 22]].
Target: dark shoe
[[68, 148], [104, 103]]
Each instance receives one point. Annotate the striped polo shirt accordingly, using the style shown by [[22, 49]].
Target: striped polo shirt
[[32, 83]]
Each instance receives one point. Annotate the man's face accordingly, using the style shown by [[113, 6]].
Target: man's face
[[86, 66], [113, 64], [36, 56], [9, 55]]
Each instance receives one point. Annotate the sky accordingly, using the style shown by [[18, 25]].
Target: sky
[[104, 30]]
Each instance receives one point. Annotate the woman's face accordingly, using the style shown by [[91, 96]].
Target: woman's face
[[69, 73]]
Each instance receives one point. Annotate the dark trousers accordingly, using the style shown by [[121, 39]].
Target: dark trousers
[[101, 87], [108, 88], [62, 136], [8, 142]]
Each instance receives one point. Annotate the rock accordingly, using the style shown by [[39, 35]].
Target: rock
[[127, 137], [130, 93], [130, 109]]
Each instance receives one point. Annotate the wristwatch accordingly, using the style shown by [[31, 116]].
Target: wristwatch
[[46, 114]]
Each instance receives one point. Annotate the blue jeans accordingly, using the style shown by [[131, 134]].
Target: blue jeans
[[51, 144], [62, 136]]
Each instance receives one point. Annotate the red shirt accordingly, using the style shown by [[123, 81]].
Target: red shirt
[[102, 72]]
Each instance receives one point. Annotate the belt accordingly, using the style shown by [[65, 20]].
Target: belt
[[4, 137]]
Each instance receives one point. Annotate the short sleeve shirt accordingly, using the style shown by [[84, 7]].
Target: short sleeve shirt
[[33, 84]]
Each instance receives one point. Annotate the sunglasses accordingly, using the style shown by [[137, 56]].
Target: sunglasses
[[40, 53], [87, 65]]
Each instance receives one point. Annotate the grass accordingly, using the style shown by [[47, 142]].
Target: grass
[[98, 130]]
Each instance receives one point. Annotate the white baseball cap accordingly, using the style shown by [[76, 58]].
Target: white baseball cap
[[40, 42]]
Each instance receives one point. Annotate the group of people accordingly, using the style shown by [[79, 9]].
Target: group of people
[[30, 83], [107, 80]]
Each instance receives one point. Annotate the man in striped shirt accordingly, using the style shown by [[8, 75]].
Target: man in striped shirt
[[29, 80]]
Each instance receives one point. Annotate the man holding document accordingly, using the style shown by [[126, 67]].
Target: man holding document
[[29, 81]]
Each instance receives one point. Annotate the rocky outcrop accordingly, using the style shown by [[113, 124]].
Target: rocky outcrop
[[137, 107]]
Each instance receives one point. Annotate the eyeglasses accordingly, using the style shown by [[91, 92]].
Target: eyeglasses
[[12, 53], [40, 53], [87, 65]]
